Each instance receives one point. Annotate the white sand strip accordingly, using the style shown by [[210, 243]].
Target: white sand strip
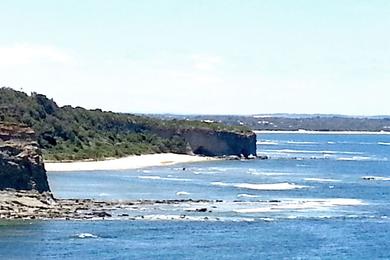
[[130, 162]]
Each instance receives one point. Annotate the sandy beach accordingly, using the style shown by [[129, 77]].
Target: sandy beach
[[130, 162]]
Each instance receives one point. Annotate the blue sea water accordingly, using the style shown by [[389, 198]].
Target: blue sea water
[[319, 196]]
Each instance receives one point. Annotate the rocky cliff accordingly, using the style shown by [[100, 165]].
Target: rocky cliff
[[214, 142], [75, 133], [21, 164]]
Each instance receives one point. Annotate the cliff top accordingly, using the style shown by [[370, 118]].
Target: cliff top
[[75, 133]]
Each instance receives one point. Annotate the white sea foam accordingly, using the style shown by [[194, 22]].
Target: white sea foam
[[298, 204], [274, 173], [362, 143], [205, 172], [343, 202], [263, 186], [383, 143], [176, 179], [254, 210], [182, 193], [266, 142], [301, 142], [255, 172], [151, 177], [321, 203], [356, 158], [267, 219], [340, 152], [193, 218], [272, 186], [247, 196], [86, 235], [282, 151], [321, 180], [210, 170]]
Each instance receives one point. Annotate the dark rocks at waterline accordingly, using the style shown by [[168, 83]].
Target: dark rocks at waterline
[[34, 205], [368, 178], [242, 157]]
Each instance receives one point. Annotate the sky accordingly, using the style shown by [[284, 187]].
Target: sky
[[201, 57]]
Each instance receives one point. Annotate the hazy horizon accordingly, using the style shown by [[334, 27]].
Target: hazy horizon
[[201, 57]]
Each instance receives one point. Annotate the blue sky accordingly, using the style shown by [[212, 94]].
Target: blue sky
[[205, 57]]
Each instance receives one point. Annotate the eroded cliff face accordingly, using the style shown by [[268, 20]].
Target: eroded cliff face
[[214, 143], [21, 163]]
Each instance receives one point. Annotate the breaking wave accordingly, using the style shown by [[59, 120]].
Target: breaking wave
[[321, 180], [297, 204], [265, 186], [151, 177], [86, 235]]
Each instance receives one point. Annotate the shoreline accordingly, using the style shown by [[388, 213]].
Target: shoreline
[[126, 163], [321, 132], [28, 205]]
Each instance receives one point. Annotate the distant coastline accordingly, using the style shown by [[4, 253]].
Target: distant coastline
[[323, 132], [292, 122]]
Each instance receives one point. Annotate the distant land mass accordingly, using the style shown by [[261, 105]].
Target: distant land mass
[[293, 122], [75, 133]]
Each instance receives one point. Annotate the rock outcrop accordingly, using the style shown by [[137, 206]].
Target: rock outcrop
[[21, 163], [214, 142], [34, 205]]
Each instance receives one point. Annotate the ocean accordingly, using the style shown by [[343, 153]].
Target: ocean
[[319, 196]]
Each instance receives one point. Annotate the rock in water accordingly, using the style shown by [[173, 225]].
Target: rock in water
[[21, 163]]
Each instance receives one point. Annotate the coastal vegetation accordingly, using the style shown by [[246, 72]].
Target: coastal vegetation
[[75, 133]]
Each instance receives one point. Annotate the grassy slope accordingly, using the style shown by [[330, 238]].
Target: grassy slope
[[67, 133]]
